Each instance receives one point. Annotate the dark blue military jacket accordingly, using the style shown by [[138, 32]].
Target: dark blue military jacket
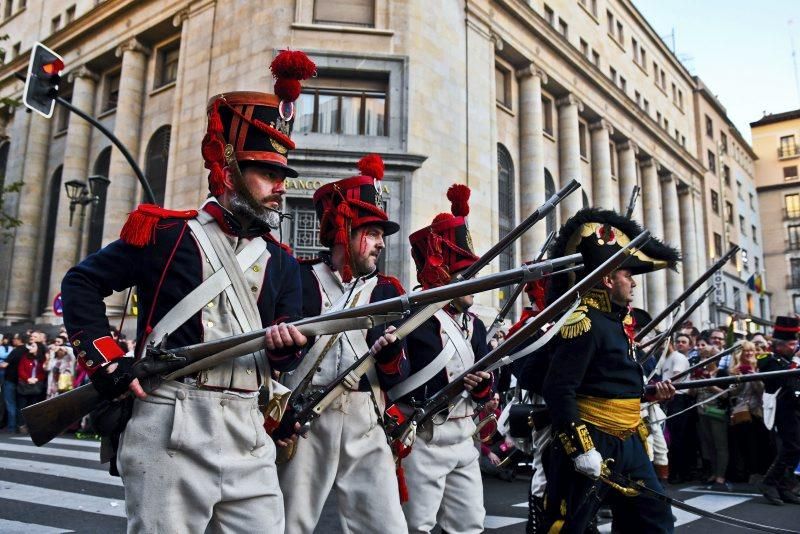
[[425, 343], [391, 363], [163, 272], [595, 359]]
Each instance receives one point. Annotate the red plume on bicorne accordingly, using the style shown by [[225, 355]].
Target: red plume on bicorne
[[371, 165], [288, 68], [458, 195]]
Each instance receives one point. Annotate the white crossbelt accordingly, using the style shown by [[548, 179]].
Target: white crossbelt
[[211, 287], [455, 344]]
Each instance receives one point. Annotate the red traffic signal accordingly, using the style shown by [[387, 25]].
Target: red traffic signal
[[41, 83], [54, 67]]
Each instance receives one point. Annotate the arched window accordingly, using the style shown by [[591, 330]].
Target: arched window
[[101, 168], [3, 162], [549, 190], [505, 205], [53, 194], [156, 159]]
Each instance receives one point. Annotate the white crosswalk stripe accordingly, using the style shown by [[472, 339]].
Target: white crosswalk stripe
[[60, 470], [76, 501], [50, 451], [17, 527], [89, 444]]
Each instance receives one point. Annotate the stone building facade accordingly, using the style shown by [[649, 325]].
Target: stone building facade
[[775, 139], [512, 97]]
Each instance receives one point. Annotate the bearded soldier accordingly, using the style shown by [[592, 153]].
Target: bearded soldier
[[194, 456], [346, 447], [442, 471], [594, 384]]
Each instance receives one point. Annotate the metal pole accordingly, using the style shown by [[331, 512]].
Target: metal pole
[[148, 191]]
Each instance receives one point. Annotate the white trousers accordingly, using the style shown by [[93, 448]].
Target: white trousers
[[195, 461], [541, 439], [657, 446], [346, 449], [444, 481]]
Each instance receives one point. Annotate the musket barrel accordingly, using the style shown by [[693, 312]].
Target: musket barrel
[[728, 380]]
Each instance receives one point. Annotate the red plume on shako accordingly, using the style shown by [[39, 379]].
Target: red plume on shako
[[445, 247]]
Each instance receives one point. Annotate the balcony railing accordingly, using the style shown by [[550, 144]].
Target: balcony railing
[[791, 213], [792, 244], [793, 281], [789, 151]]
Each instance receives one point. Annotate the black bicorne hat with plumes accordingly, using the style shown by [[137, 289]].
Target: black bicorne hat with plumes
[[598, 234]]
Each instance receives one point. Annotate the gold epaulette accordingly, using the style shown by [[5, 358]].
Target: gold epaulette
[[576, 324]]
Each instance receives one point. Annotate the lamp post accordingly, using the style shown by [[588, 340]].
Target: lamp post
[[79, 194]]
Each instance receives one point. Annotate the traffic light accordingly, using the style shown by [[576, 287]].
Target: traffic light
[[41, 83]]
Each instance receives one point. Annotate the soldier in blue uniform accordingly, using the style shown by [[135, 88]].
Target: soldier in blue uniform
[[442, 471], [594, 384], [780, 485], [346, 449], [194, 455]]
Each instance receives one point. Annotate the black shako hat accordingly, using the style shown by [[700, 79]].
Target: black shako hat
[[786, 328], [597, 235]]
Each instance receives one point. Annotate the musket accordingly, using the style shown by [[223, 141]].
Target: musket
[[47, 419], [689, 290], [659, 340], [501, 315], [727, 380], [303, 407], [632, 203], [707, 361], [401, 421]]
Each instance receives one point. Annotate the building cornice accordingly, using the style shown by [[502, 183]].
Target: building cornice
[[533, 21], [778, 187], [346, 158], [71, 34]]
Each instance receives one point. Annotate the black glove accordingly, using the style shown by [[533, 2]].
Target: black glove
[[112, 385]]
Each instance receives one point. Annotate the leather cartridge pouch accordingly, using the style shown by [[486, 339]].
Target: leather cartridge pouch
[[110, 420]]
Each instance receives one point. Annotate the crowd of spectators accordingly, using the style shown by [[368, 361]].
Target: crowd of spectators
[[716, 435], [35, 367]]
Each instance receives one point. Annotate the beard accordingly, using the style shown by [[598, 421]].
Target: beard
[[245, 207]]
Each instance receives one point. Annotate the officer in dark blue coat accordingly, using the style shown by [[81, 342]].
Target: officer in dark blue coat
[[780, 485], [594, 383], [194, 455]]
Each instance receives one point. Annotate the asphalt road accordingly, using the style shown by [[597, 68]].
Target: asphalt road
[[62, 488]]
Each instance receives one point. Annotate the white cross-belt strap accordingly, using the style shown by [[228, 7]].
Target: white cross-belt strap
[[322, 343], [456, 343], [204, 293]]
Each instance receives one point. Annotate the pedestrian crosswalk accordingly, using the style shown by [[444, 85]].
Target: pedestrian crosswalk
[[62, 487], [58, 488]]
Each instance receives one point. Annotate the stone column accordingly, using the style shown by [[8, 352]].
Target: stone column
[[603, 186], [651, 208], [672, 231], [569, 156], [531, 155], [703, 259], [122, 191], [76, 167], [689, 246], [31, 154], [626, 158]]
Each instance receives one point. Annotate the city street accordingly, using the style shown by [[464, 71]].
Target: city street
[[62, 488]]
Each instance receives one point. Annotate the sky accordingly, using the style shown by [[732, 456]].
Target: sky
[[741, 49]]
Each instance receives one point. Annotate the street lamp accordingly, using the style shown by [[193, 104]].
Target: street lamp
[[78, 193]]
